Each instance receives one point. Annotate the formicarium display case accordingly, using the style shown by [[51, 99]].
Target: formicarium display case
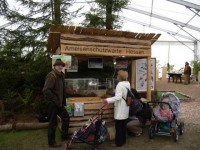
[[81, 87]]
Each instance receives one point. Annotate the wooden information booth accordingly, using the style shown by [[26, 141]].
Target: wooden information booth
[[84, 42]]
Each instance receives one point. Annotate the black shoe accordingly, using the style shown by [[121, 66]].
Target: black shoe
[[65, 138], [114, 145], [55, 145], [134, 134]]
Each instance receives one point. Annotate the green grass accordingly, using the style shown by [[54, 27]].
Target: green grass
[[25, 140], [33, 140], [179, 95]]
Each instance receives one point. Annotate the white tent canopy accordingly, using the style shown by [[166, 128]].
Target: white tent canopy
[[177, 21]]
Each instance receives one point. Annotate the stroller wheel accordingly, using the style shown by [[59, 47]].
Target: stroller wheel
[[176, 134], [151, 131], [181, 128], [68, 145], [94, 148]]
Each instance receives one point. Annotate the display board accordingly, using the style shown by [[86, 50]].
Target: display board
[[121, 63], [95, 62], [74, 65], [65, 58], [141, 74]]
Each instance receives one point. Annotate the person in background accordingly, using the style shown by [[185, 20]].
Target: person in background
[[186, 72], [54, 93], [121, 110], [189, 73]]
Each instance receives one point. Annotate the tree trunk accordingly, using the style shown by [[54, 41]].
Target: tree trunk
[[6, 127], [109, 19], [57, 13], [24, 126]]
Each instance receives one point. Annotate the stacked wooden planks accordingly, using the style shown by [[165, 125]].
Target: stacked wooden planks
[[91, 107]]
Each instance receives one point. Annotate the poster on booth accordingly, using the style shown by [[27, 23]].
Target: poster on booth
[[121, 63], [141, 74], [74, 64], [78, 109], [67, 59]]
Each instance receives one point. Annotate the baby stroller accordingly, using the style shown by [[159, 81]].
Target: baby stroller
[[92, 133], [165, 117]]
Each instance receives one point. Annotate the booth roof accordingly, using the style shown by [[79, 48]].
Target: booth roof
[[57, 30]]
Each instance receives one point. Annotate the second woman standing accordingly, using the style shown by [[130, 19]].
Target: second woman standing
[[121, 110]]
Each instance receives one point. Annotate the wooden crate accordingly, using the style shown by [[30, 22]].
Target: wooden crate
[[91, 106]]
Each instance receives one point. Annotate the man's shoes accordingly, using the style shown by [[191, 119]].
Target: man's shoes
[[130, 134], [113, 145], [138, 134], [55, 145], [65, 138], [134, 134]]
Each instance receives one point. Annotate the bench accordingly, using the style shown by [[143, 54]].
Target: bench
[[175, 76]]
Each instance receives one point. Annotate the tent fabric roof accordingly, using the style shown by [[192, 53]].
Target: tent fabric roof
[[57, 30]]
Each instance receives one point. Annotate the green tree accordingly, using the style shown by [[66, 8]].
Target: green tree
[[23, 60], [31, 22], [196, 68], [22, 79], [3, 7], [104, 14], [170, 67]]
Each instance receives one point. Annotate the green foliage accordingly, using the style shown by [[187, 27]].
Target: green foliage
[[95, 21], [170, 68], [6, 116], [105, 14], [3, 7], [11, 100], [116, 5], [22, 79], [196, 67], [23, 60], [31, 27], [26, 98]]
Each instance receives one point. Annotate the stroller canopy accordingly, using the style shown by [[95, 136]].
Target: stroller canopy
[[173, 101], [163, 112]]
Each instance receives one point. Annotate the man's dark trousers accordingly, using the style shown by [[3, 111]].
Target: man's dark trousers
[[53, 111]]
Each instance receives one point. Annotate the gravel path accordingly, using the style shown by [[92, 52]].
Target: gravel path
[[190, 111]]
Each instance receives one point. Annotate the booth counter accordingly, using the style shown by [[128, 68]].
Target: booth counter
[[91, 105]]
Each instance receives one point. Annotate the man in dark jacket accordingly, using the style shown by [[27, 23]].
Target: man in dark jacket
[[189, 72], [54, 92], [186, 73]]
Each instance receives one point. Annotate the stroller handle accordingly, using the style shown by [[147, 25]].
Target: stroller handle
[[161, 103], [99, 112]]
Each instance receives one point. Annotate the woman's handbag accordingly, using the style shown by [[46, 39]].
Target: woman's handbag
[[134, 103]]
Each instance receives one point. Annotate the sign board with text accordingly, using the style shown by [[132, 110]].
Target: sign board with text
[[104, 51]]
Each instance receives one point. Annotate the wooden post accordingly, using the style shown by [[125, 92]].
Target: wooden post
[[133, 76], [149, 78], [157, 74], [164, 73]]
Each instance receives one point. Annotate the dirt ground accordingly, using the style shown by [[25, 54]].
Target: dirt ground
[[189, 115]]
